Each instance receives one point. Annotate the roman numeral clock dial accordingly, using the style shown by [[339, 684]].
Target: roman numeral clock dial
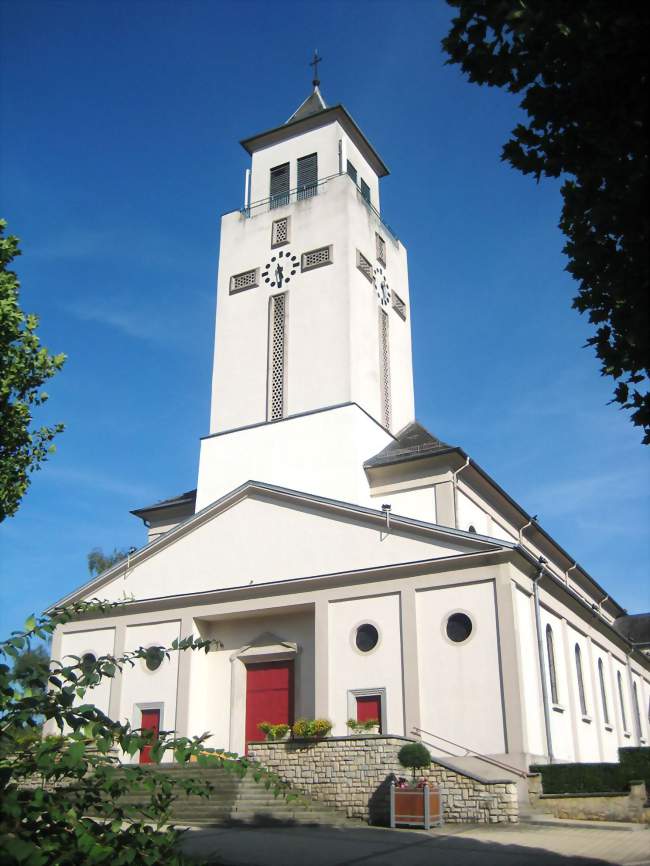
[[280, 269]]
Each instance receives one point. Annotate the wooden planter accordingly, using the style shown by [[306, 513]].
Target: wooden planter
[[416, 807]]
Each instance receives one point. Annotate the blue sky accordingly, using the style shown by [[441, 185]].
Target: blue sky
[[119, 151]]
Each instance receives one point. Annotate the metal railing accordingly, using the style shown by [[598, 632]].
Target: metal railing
[[310, 190], [469, 753]]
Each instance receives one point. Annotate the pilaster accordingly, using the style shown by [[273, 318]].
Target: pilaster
[[321, 658], [115, 698], [183, 681], [512, 688], [410, 668]]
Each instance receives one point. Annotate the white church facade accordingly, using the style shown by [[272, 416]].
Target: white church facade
[[350, 563]]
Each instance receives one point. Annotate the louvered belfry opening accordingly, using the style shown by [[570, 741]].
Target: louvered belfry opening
[[384, 367], [277, 355], [280, 185], [307, 176]]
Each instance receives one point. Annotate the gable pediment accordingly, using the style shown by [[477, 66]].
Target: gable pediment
[[261, 534]]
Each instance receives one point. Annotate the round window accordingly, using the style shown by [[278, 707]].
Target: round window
[[367, 637], [154, 658], [459, 627], [88, 662]]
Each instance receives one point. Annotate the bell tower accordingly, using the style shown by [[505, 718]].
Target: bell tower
[[313, 312]]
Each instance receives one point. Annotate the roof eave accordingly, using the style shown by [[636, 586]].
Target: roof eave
[[313, 121]]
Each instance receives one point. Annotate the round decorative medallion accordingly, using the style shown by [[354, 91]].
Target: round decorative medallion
[[280, 269]]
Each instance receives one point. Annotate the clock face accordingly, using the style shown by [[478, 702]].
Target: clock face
[[280, 269], [381, 287]]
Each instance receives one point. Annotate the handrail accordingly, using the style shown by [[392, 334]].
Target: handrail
[[309, 191], [470, 753]]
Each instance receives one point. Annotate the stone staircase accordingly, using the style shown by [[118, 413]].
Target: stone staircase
[[241, 801]]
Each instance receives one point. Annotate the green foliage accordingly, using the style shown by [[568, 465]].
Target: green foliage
[[274, 732], [634, 764], [63, 799], [582, 70], [24, 366], [98, 561], [367, 725], [414, 756], [306, 728]]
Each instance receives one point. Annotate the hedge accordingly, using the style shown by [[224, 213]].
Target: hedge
[[634, 763]]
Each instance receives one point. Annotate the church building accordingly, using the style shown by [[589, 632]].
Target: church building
[[349, 562]]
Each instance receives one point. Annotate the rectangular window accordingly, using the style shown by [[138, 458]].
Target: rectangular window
[[307, 176], [276, 400], [381, 249], [316, 258], [280, 185], [384, 369], [352, 171], [365, 267], [398, 305], [245, 280], [365, 190], [280, 232]]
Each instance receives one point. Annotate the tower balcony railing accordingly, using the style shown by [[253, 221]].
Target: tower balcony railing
[[310, 190]]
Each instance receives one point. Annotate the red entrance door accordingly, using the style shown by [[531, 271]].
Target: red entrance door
[[269, 696], [150, 722], [369, 707]]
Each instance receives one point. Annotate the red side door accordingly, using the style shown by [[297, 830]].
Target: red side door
[[150, 722], [369, 707], [269, 696]]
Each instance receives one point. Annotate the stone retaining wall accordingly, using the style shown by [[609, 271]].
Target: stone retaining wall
[[632, 806], [353, 774]]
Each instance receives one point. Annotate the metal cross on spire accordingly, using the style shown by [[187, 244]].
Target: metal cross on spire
[[315, 63]]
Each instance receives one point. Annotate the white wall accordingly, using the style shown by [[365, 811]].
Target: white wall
[[99, 641], [586, 726], [350, 669], [533, 711], [321, 453], [460, 685], [142, 688], [258, 541]]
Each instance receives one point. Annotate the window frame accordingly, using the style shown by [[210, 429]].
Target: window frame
[[582, 695], [279, 199], [603, 693], [552, 669]]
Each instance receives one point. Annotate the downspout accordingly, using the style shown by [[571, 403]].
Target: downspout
[[634, 705], [542, 663], [454, 482]]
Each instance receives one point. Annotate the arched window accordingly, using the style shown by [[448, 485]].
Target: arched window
[[581, 685], [550, 652], [637, 711], [603, 691], [619, 680]]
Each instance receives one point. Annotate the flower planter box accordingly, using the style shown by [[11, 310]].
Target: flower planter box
[[415, 807]]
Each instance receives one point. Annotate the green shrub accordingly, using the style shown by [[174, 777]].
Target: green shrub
[[602, 778], [414, 756]]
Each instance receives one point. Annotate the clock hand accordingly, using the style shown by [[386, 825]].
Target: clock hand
[[279, 275]]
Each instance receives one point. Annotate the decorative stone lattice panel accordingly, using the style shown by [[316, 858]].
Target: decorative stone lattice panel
[[353, 774], [277, 353], [280, 232], [399, 306], [365, 267], [316, 258], [245, 280], [381, 249], [384, 366]]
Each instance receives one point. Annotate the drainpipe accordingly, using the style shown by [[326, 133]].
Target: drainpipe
[[566, 573], [542, 663], [454, 476], [633, 704]]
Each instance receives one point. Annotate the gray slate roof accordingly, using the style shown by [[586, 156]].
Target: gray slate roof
[[412, 441], [187, 498], [635, 627], [312, 105]]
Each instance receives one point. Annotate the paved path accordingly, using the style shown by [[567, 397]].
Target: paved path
[[463, 846]]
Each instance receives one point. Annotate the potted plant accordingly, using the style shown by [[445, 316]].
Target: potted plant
[[274, 732], [359, 729], [418, 805], [311, 729]]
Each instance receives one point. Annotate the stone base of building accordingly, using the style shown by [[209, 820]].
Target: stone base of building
[[353, 775]]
